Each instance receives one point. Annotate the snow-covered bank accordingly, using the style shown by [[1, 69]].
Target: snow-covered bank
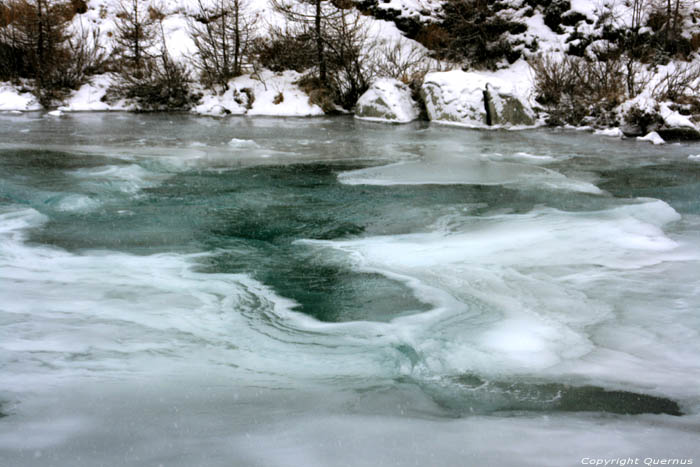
[[458, 91], [266, 93], [91, 97], [13, 99]]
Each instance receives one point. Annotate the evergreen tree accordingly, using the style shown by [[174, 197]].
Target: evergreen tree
[[148, 76], [221, 35], [135, 36]]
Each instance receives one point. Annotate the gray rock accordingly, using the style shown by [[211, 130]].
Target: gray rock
[[679, 134], [389, 100], [506, 109], [472, 100]]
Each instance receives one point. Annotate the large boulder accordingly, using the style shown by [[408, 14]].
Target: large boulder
[[389, 100], [475, 100]]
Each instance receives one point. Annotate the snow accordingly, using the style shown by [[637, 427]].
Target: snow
[[55, 113], [457, 97], [389, 98], [585, 7], [275, 94], [412, 8], [89, 97], [180, 44], [673, 119], [653, 138], [267, 88], [548, 39], [695, 158], [611, 132], [516, 80], [12, 99], [270, 87]]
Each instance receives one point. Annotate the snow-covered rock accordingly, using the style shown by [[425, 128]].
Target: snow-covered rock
[[388, 100], [676, 126], [652, 137], [475, 100], [668, 123], [13, 99], [267, 93]]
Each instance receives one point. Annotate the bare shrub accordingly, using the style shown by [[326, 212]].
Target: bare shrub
[[574, 88], [643, 119], [318, 94], [637, 75], [310, 18], [403, 61], [165, 85], [88, 57], [285, 49], [555, 77], [682, 81]]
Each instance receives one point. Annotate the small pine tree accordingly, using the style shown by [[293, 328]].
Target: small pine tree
[[148, 76], [338, 39], [221, 35], [135, 36], [312, 21]]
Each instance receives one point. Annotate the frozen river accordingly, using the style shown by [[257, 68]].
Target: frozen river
[[186, 291]]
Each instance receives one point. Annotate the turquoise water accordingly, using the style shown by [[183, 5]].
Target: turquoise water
[[180, 290]]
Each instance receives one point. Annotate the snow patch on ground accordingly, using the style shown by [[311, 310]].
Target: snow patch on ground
[[89, 97], [273, 94], [13, 99], [519, 78], [180, 44]]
